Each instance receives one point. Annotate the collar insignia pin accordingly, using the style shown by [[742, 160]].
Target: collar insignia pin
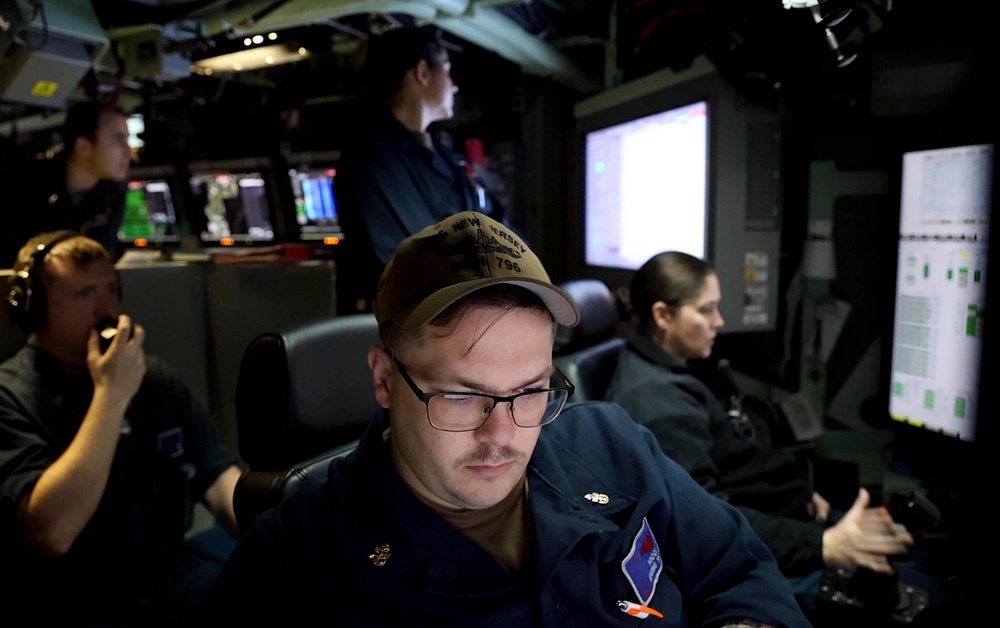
[[597, 498], [380, 556]]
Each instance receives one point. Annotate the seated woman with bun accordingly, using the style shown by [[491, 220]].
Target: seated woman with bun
[[675, 302]]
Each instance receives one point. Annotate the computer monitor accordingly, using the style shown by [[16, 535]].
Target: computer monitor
[[680, 162], [312, 178], [646, 187], [150, 211], [234, 201], [937, 339]]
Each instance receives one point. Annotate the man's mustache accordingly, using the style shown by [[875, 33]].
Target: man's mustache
[[486, 455]]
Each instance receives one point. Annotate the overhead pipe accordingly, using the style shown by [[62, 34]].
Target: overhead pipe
[[302, 12], [494, 31], [480, 25]]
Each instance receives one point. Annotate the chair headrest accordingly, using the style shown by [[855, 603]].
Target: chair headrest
[[304, 390], [592, 368], [598, 316]]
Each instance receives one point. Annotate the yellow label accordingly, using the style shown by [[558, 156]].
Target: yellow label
[[46, 89]]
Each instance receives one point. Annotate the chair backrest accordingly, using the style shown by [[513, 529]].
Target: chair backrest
[[305, 390], [304, 396], [598, 316], [256, 491], [588, 353], [590, 369]]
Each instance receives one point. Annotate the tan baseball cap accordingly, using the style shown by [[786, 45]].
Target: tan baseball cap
[[461, 254]]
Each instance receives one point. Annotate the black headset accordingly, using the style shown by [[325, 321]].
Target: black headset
[[25, 293]]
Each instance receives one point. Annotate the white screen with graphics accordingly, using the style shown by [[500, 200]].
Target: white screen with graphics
[[646, 188], [941, 288]]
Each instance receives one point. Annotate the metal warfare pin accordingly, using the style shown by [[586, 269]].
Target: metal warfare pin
[[380, 556], [597, 498]]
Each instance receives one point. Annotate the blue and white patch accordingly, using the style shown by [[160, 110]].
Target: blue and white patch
[[644, 564]]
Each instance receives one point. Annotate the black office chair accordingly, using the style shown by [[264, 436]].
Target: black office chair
[[598, 316], [303, 397], [588, 353]]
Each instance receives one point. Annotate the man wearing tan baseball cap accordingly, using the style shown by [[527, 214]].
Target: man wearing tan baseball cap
[[468, 504]]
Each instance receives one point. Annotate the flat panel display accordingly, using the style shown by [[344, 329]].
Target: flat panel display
[[646, 188], [946, 193], [315, 205], [236, 206], [678, 161], [150, 213], [945, 203]]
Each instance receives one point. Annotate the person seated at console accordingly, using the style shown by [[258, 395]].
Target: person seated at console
[[100, 450], [675, 301], [479, 498]]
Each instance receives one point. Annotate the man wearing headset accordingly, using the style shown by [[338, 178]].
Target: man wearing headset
[[99, 449]]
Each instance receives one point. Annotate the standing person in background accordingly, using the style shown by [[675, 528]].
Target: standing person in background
[[101, 455], [81, 188], [675, 298], [395, 178]]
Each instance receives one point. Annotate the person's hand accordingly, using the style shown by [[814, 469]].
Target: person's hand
[[120, 369], [819, 507], [865, 537]]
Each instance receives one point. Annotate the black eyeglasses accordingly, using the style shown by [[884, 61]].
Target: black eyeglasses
[[468, 411]]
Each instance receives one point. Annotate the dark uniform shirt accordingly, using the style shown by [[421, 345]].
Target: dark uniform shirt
[[768, 484], [615, 520], [34, 199], [167, 450], [390, 185]]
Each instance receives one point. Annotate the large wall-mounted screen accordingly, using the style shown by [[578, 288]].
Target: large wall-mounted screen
[[646, 188], [941, 288], [681, 162]]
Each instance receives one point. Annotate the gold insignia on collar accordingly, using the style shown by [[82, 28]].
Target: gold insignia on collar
[[380, 556], [597, 498]]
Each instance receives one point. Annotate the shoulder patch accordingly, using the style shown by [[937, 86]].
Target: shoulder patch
[[643, 565]]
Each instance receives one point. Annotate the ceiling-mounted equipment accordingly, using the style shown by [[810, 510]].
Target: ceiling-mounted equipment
[[50, 51], [827, 23]]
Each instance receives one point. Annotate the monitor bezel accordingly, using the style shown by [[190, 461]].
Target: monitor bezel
[[700, 89], [313, 160], [259, 165], [171, 177], [909, 435], [597, 126]]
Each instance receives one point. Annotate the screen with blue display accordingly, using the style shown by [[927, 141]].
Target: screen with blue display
[[315, 205]]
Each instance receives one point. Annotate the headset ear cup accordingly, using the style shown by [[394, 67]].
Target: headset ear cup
[[13, 299], [26, 302], [18, 293]]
